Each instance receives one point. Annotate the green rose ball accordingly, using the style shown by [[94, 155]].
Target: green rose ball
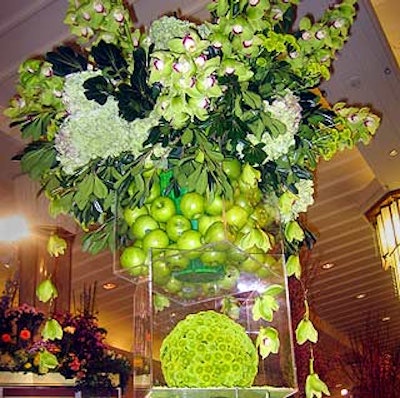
[[208, 349]]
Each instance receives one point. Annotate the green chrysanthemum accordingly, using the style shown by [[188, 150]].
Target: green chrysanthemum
[[208, 349]]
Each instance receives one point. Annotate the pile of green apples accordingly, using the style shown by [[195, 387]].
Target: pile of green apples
[[235, 235]]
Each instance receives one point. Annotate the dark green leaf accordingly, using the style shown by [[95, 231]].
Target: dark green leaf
[[109, 57], [65, 61], [36, 126], [99, 189], [84, 190], [38, 159], [252, 99], [254, 155], [129, 103], [98, 89], [136, 99]]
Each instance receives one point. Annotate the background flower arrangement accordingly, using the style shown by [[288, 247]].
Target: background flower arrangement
[[82, 353], [227, 107]]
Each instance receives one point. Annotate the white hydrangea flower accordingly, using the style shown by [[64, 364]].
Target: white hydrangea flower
[[94, 131], [301, 201], [305, 196], [74, 95], [288, 111]]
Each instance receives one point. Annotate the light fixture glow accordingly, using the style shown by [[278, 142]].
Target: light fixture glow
[[361, 296], [328, 265], [13, 228], [385, 319], [393, 153], [109, 286], [344, 392], [385, 217]]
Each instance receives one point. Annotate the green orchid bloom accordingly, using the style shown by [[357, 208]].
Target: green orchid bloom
[[293, 231], [267, 341], [46, 291], [315, 387], [56, 246], [52, 330], [293, 266], [306, 331]]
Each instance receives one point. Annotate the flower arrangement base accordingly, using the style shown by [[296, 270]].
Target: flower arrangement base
[[32, 379], [99, 393], [256, 392]]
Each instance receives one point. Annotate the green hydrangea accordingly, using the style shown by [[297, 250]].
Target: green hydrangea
[[166, 28], [287, 111], [94, 131], [208, 349]]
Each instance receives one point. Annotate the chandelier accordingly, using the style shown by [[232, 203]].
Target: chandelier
[[385, 217]]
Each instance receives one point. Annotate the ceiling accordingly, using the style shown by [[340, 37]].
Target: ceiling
[[366, 73]]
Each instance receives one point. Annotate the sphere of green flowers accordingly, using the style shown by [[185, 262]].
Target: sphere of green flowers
[[208, 349]]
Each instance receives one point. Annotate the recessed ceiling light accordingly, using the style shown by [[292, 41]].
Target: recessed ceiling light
[[393, 153], [385, 319], [361, 295], [109, 286], [328, 265], [344, 392]]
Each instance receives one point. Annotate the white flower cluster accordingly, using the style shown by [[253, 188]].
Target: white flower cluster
[[298, 203], [94, 131], [288, 111], [305, 197]]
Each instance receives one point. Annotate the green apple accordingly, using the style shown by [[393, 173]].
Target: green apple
[[161, 272], [232, 168], [192, 205], [176, 226], [162, 208], [254, 261], [138, 243], [176, 259], [189, 240], [242, 201], [156, 239], [143, 225], [213, 257], [236, 217], [205, 222], [217, 206], [132, 213], [217, 232], [173, 285], [132, 257], [229, 281]]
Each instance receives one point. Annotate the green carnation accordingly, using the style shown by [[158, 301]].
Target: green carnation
[[208, 349]]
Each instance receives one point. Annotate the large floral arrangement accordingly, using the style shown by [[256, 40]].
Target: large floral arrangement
[[228, 108]]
